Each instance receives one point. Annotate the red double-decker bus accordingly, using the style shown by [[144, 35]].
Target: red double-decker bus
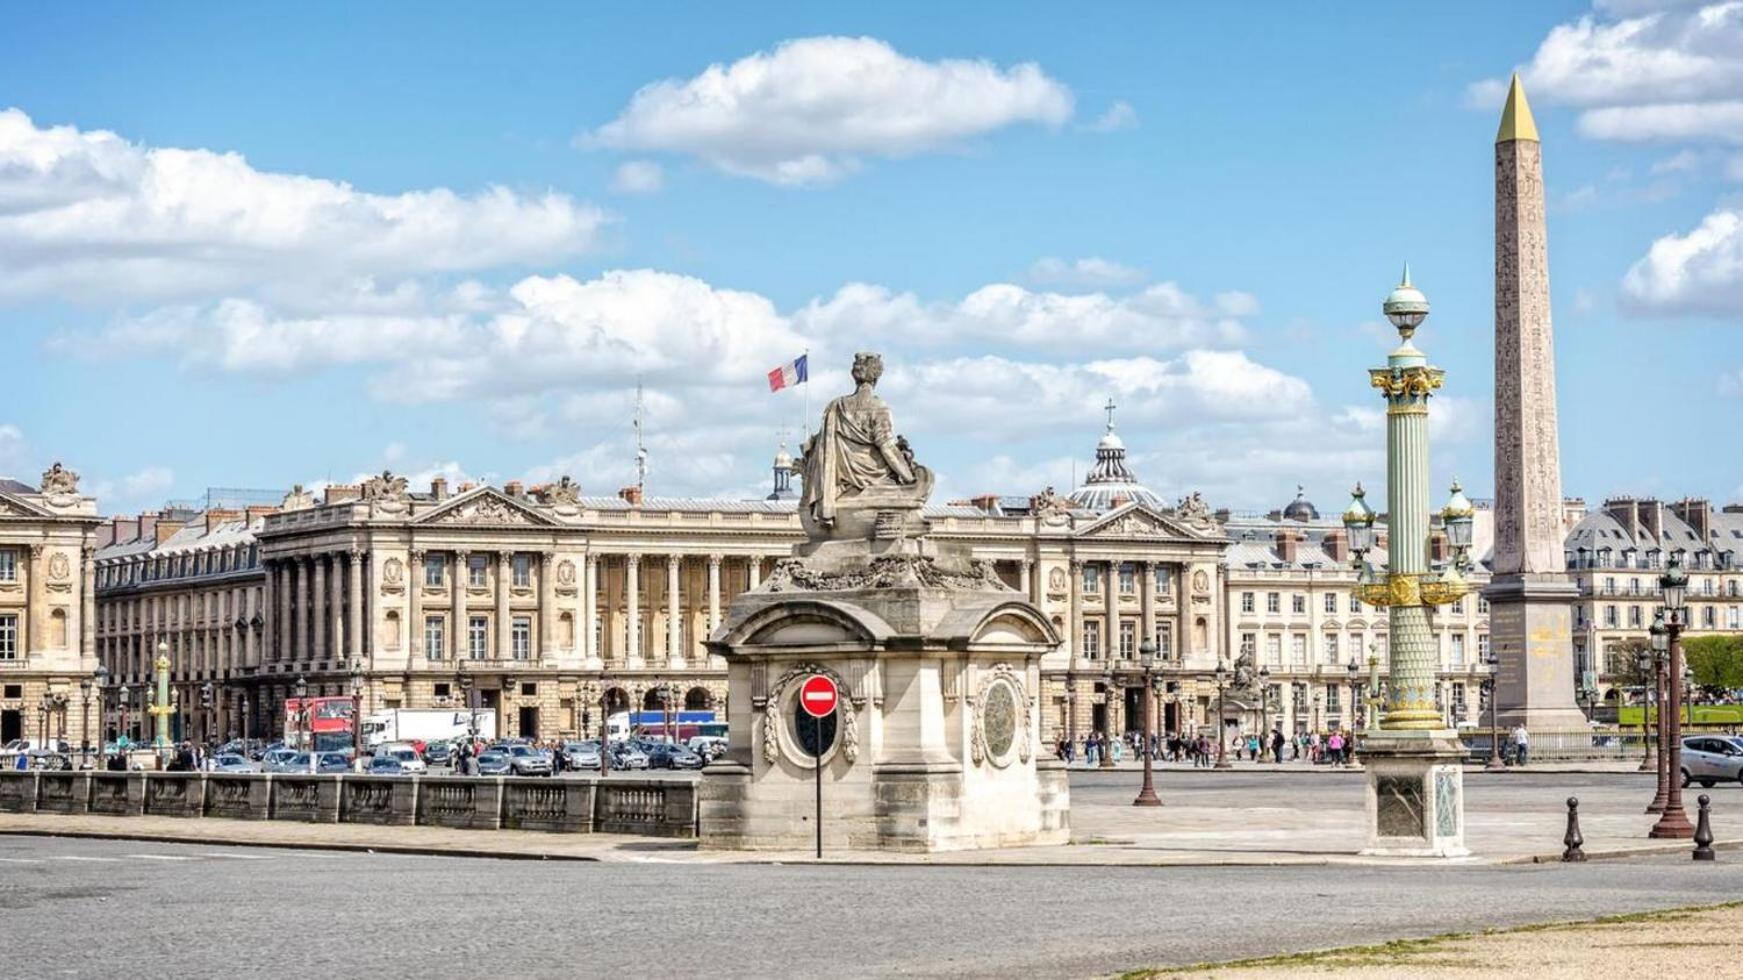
[[328, 718]]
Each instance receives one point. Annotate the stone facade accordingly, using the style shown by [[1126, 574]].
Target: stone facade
[[47, 656]]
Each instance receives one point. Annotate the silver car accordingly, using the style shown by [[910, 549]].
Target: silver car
[[1707, 759]]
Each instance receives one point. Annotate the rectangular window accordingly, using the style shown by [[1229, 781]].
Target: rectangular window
[[433, 565], [521, 635], [1246, 602], [1331, 648], [1297, 603], [523, 571], [1128, 639], [1483, 646], [1273, 602], [8, 565], [1634, 616], [1163, 578], [8, 637], [1458, 649], [1331, 697], [1091, 641], [1707, 617], [1128, 580], [1165, 642], [1355, 604], [1273, 649], [1331, 603], [477, 571], [1298, 650], [435, 638], [1091, 579], [1482, 606], [1458, 607], [477, 637], [1249, 644]]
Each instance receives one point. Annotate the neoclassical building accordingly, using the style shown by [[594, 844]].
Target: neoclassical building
[[47, 653]]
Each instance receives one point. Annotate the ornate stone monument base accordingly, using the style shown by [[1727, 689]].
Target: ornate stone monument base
[[1415, 794], [1531, 633]]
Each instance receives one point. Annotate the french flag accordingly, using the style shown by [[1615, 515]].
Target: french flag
[[789, 374]]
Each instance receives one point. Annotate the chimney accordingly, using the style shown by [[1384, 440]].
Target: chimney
[[1118, 501], [513, 488], [215, 517], [439, 488], [167, 528], [125, 529], [1337, 545], [632, 494], [1698, 514], [1286, 545], [1439, 550], [986, 503], [338, 492], [260, 511], [1652, 519], [1626, 512], [105, 535], [147, 527]]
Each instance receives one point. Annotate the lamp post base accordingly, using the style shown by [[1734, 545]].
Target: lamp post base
[[1672, 825], [1648, 764], [1495, 764], [1147, 797], [1415, 798]]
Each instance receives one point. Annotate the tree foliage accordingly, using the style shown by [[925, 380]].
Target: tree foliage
[[1624, 667], [1715, 661]]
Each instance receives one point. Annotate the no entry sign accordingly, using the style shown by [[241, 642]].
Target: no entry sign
[[818, 696]]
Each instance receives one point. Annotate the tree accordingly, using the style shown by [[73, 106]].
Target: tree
[[1624, 665], [1715, 661]]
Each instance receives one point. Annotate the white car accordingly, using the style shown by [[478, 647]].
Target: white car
[[1707, 759], [405, 755]]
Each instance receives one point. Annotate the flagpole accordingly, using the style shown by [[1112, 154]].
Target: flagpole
[[806, 420]]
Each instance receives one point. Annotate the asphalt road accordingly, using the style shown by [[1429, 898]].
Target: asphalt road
[[116, 908]]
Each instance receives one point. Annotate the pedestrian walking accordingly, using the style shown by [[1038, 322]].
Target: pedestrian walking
[[1521, 744], [1277, 745], [1335, 746]]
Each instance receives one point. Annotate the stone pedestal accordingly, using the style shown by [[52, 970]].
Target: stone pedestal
[[1530, 632], [936, 745], [1415, 794]]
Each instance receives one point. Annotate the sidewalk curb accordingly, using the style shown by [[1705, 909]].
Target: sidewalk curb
[[220, 841], [1617, 853]]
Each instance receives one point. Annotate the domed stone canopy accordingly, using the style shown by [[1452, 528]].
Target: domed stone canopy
[[1111, 482], [1300, 509]]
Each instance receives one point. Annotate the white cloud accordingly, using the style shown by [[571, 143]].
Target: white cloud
[[807, 112], [1092, 272], [1118, 116], [1160, 316], [88, 214], [15, 458], [1731, 383], [1698, 272], [1638, 70], [638, 177]]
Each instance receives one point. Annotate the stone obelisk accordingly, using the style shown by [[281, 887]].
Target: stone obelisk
[[1530, 596]]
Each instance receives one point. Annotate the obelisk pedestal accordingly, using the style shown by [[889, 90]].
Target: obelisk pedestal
[[1530, 596]]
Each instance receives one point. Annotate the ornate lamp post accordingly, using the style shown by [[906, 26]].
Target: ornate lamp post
[[305, 721], [1673, 822], [162, 710], [357, 715], [1147, 659], [85, 685], [1645, 664], [122, 739], [1222, 735], [1495, 761], [1355, 695], [1107, 717], [1071, 712], [1660, 635], [1414, 761]]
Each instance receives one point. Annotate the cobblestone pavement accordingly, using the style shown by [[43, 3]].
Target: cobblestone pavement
[[122, 908]]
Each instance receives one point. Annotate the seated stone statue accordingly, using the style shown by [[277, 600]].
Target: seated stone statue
[[861, 480]]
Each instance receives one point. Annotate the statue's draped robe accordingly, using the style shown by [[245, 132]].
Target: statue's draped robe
[[852, 451]]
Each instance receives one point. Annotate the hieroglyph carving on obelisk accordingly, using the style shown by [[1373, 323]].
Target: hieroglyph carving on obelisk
[[1528, 528]]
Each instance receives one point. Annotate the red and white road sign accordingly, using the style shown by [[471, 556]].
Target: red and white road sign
[[818, 696]]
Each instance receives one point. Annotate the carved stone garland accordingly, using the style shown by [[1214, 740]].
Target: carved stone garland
[[1022, 703], [774, 713]]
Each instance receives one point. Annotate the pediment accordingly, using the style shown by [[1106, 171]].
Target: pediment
[[1135, 520], [17, 508], [486, 506]]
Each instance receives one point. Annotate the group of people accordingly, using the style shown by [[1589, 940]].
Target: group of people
[[1334, 747]]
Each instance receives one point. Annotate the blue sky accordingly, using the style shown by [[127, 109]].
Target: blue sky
[[252, 246]]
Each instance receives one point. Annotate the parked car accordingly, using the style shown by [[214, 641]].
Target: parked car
[[626, 756], [493, 764], [234, 762], [439, 754], [674, 757], [275, 760], [407, 756], [525, 760], [325, 763], [709, 747], [581, 755], [1707, 759], [386, 765]]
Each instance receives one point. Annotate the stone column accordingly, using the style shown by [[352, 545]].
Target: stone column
[[674, 613], [415, 607], [1110, 593], [457, 604], [1147, 600], [284, 571], [504, 582], [590, 609], [36, 611], [713, 593], [336, 607], [317, 608], [547, 638], [300, 631], [1025, 578], [633, 604], [354, 608], [756, 572], [87, 610], [269, 601]]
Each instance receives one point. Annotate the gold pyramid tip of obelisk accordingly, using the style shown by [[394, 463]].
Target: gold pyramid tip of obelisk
[[1516, 121]]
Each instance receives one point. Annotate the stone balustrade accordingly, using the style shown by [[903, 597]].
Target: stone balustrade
[[646, 807]]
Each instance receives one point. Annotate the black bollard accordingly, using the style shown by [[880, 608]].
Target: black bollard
[[1573, 839], [1704, 832]]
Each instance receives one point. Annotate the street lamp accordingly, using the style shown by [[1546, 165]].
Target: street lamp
[[123, 738], [1222, 761], [1355, 694], [1495, 761], [356, 714], [1147, 659], [1673, 822], [1107, 717], [85, 685], [1265, 711], [303, 719], [1070, 714]]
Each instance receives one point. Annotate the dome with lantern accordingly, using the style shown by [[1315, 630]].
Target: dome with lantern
[[1111, 482]]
